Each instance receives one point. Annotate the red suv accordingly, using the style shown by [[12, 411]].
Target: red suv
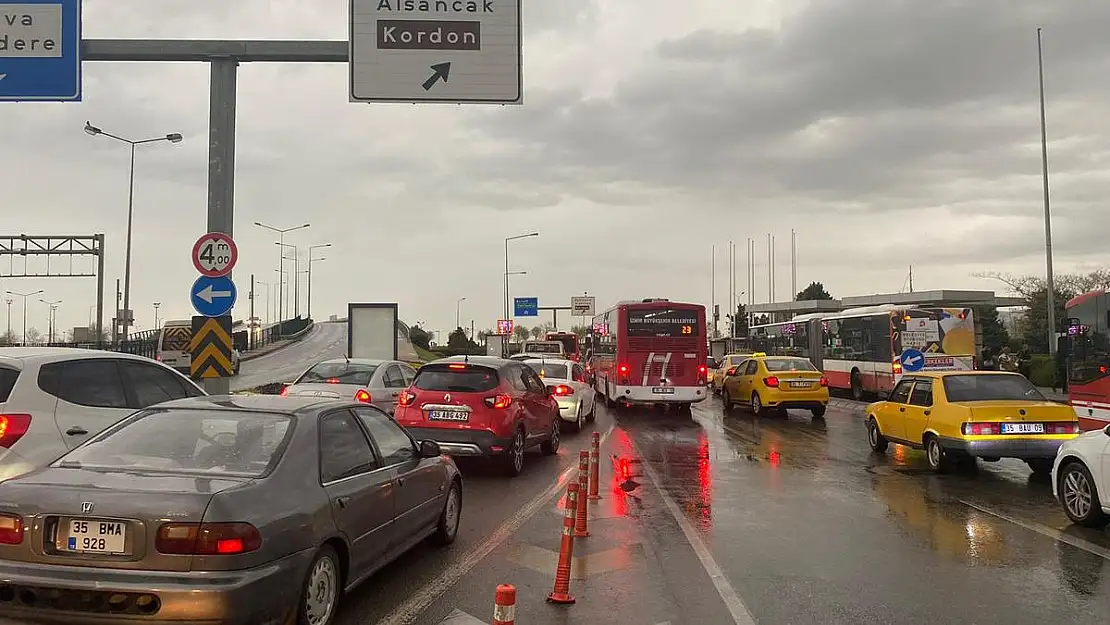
[[481, 406]]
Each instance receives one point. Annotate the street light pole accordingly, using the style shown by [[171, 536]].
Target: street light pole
[[8, 301], [156, 305], [51, 318], [281, 257], [458, 310], [1050, 286], [311, 260], [507, 239], [24, 296], [172, 138]]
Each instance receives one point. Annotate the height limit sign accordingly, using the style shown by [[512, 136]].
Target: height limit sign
[[215, 254]]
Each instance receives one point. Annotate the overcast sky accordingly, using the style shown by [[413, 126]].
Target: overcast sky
[[884, 132]]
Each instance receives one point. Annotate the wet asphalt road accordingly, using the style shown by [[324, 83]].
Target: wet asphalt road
[[326, 340], [806, 525]]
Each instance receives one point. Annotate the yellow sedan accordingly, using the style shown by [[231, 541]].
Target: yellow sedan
[[717, 375], [776, 383], [958, 416]]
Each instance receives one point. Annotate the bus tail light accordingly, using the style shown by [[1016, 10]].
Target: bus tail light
[[622, 374], [772, 381], [824, 381], [703, 373]]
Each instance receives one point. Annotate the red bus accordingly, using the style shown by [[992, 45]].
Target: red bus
[[651, 351], [1088, 351], [569, 341]]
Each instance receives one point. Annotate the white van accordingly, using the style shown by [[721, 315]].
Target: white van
[[173, 347]]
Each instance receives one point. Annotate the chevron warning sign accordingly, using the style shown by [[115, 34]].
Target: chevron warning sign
[[210, 347]]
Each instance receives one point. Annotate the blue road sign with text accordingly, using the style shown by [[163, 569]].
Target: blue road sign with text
[[912, 360], [526, 307], [40, 50], [213, 297]]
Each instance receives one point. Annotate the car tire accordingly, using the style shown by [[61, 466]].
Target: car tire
[[1040, 466], [592, 415], [819, 412], [514, 455], [550, 447], [321, 590], [1079, 496], [875, 438], [580, 420], [936, 455], [447, 530], [727, 400], [756, 406]]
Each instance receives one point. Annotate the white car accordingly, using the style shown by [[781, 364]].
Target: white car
[[54, 398], [1081, 478], [573, 392]]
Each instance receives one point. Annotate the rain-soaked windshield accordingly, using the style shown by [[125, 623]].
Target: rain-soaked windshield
[[339, 373]]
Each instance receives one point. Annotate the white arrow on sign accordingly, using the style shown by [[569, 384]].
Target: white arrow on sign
[[208, 294], [3, 76], [909, 361]]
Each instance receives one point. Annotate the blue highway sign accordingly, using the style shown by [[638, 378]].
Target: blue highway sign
[[912, 360], [213, 297], [526, 307], [40, 50]]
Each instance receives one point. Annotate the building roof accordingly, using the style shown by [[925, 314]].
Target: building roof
[[942, 297]]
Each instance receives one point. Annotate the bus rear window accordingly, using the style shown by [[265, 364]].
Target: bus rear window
[[665, 322]]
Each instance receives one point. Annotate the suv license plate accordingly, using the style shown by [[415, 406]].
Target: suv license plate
[[448, 415], [1023, 428], [663, 390]]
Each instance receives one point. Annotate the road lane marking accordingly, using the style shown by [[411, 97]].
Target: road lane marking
[[1045, 530], [736, 607], [419, 601]]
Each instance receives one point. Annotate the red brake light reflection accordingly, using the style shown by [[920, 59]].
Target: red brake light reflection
[[285, 391]]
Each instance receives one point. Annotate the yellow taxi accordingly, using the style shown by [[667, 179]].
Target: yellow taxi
[[717, 376], [776, 383], [958, 416]]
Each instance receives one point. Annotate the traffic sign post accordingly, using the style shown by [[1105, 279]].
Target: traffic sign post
[[213, 297], [912, 360], [526, 307], [468, 53], [215, 254], [40, 50], [582, 306], [211, 349]]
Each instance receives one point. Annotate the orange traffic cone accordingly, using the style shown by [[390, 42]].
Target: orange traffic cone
[[504, 605], [561, 592], [580, 522], [595, 459]]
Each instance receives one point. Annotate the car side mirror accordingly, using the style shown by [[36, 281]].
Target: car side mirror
[[430, 449]]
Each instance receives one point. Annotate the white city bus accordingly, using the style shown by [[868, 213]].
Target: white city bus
[[860, 349]]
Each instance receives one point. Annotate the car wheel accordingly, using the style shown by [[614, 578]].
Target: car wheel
[[726, 400], [936, 455], [875, 438], [757, 406], [592, 415], [550, 447], [1040, 466], [819, 412], [448, 528], [323, 586], [1080, 499], [580, 421], [514, 456]]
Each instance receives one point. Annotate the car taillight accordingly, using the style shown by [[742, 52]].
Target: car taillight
[[406, 398], [362, 395], [12, 428], [1067, 427], [332, 380], [207, 539], [499, 401], [456, 366], [981, 429], [771, 381], [563, 389], [11, 529], [285, 391], [824, 381]]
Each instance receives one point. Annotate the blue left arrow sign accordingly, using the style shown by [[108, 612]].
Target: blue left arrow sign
[[213, 297], [40, 57]]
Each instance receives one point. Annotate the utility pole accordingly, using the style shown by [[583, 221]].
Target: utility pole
[[250, 320], [1050, 282], [156, 320], [770, 278], [793, 262]]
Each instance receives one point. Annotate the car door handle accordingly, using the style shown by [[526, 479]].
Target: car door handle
[[342, 501], [77, 431]]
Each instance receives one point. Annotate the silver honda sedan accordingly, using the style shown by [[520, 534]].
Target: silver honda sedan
[[220, 510], [368, 380]]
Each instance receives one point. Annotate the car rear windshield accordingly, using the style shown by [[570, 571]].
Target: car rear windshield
[[242, 444], [552, 347], [988, 387], [461, 379], [570, 343], [550, 370], [339, 373], [788, 364], [7, 382]]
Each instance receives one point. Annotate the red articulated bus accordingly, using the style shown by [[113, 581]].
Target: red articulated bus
[[1088, 351], [569, 341], [651, 351]]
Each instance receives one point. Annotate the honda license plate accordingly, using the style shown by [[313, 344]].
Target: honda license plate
[[96, 536], [448, 415], [799, 384], [663, 390], [1023, 428]]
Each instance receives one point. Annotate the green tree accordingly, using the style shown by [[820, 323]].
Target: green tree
[[739, 321], [815, 291], [419, 337], [538, 331], [34, 337], [457, 339], [9, 338], [995, 336], [580, 331], [521, 333]]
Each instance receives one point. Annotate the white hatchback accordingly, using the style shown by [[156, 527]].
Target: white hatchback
[[1081, 478], [54, 398]]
